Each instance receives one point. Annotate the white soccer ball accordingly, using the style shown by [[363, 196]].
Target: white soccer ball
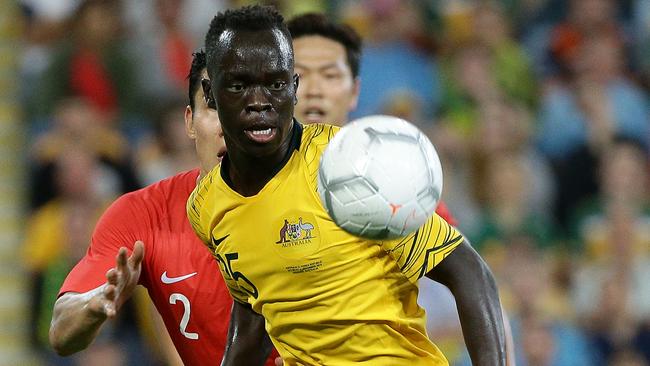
[[380, 178]]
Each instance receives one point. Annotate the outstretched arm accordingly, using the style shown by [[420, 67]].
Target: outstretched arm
[[248, 343], [470, 281], [77, 317]]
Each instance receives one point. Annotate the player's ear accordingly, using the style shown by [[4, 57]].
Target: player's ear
[[296, 82], [189, 123]]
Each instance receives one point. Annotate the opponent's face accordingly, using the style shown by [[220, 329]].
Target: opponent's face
[[202, 125], [328, 91], [254, 88]]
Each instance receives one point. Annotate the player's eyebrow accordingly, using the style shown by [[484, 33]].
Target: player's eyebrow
[[246, 75]]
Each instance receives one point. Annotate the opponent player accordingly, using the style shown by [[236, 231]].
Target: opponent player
[[178, 271], [326, 297], [327, 56], [327, 60]]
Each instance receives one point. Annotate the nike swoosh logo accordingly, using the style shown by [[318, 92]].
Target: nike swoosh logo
[[170, 280], [216, 242]]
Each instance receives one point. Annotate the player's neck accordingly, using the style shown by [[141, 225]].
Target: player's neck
[[247, 174]]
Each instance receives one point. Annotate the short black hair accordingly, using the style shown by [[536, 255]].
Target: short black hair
[[247, 18], [195, 75], [317, 24]]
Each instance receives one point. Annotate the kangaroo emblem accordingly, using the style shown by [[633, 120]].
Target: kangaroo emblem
[[283, 232]]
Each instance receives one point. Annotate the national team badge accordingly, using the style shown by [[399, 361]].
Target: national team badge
[[297, 236], [294, 231]]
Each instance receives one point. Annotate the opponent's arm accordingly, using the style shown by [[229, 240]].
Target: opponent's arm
[[469, 279], [77, 317], [248, 343]]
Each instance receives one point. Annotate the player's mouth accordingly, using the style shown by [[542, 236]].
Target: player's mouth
[[261, 135], [315, 115]]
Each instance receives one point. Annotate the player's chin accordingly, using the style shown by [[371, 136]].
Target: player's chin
[[262, 149]]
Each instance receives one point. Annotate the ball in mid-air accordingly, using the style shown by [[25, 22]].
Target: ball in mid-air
[[380, 178]]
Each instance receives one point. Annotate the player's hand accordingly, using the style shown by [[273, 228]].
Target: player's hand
[[278, 361], [121, 280]]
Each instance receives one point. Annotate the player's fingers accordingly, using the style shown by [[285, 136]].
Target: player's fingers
[[121, 258], [109, 304], [278, 361], [138, 254], [111, 276], [122, 268], [110, 292]]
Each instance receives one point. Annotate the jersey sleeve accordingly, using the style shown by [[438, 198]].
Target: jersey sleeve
[[199, 207], [116, 228], [237, 293], [419, 252], [196, 205], [315, 139]]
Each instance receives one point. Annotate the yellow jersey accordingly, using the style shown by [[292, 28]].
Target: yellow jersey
[[329, 298]]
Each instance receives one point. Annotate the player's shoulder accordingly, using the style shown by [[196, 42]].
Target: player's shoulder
[[200, 201], [318, 133], [315, 138], [160, 194], [175, 186], [182, 182]]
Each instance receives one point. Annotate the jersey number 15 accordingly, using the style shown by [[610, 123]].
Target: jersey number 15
[[236, 276]]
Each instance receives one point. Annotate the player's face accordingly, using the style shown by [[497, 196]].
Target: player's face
[[327, 91], [202, 125], [254, 88]]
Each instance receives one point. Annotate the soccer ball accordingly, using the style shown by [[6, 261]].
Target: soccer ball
[[380, 178]]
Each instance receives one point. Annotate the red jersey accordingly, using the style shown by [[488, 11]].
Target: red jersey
[[444, 212], [180, 274]]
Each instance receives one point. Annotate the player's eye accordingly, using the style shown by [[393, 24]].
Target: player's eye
[[278, 85], [235, 88], [332, 76]]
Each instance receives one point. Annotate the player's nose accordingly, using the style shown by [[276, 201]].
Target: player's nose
[[258, 100], [313, 88]]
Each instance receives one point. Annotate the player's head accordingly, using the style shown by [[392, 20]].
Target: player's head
[[253, 87], [327, 60], [202, 123]]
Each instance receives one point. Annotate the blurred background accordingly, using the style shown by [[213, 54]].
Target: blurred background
[[538, 108]]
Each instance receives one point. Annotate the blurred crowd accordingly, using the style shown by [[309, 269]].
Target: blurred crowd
[[539, 110]]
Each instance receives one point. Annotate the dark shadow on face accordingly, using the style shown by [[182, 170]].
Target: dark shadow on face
[[254, 87]]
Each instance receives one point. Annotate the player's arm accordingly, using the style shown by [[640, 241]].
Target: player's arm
[[471, 282], [248, 343], [77, 317]]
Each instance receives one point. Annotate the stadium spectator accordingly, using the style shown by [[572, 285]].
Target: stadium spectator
[[584, 19], [92, 63], [579, 119], [612, 234], [391, 66], [76, 122]]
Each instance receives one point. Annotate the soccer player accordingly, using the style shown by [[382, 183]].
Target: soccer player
[[167, 258], [327, 59], [324, 296], [327, 56]]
